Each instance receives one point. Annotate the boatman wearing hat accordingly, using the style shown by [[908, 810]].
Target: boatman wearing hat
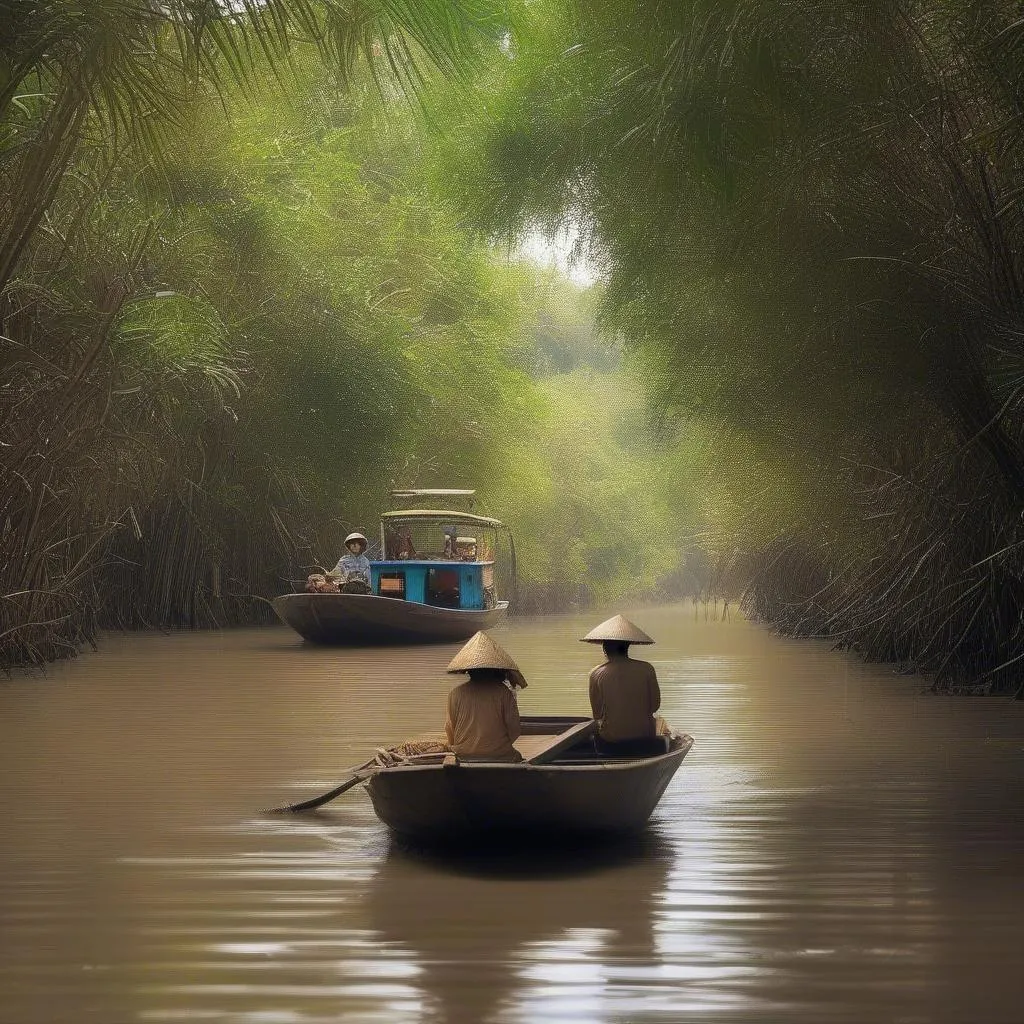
[[483, 716], [624, 693], [354, 565]]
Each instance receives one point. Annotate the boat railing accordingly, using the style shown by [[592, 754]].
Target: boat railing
[[432, 557]]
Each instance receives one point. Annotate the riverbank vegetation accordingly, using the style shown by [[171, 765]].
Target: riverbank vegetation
[[253, 273], [230, 318], [234, 314], [809, 216]]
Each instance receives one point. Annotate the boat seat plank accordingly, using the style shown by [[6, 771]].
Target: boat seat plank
[[530, 745], [549, 725], [541, 749]]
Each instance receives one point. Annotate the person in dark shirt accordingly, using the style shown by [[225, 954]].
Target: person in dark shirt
[[624, 693]]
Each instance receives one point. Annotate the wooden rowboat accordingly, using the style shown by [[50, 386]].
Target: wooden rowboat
[[370, 619], [562, 787]]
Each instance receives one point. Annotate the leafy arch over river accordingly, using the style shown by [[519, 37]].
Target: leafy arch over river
[[249, 282], [809, 217]]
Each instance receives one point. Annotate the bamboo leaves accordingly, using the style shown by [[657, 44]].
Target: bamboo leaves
[[808, 213], [182, 305]]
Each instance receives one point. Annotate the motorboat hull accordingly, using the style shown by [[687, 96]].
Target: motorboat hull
[[367, 619]]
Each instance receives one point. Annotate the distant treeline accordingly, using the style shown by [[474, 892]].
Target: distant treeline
[[811, 219]]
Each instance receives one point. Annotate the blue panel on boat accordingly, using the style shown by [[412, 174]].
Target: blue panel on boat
[[443, 583], [470, 588], [411, 575]]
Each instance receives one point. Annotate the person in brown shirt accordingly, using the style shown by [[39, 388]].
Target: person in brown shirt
[[483, 717], [624, 692]]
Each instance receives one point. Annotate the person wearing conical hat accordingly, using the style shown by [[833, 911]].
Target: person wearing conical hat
[[624, 692], [483, 717]]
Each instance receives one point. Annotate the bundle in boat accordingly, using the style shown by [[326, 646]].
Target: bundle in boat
[[410, 750]]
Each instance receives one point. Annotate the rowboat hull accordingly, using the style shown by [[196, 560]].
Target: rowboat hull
[[439, 803], [366, 619]]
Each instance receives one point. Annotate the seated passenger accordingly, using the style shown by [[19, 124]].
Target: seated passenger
[[483, 717], [624, 693], [406, 549], [352, 573], [449, 542]]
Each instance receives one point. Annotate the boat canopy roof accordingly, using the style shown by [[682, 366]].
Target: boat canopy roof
[[432, 492], [441, 514]]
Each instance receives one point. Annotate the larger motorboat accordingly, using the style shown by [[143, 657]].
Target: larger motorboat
[[435, 582]]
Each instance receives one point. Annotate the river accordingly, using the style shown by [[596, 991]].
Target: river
[[838, 846]]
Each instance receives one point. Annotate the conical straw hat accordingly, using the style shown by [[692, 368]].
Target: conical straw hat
[[618, 627], [481, 651]]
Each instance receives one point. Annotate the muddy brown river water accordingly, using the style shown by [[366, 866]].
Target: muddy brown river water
[[838, 846]]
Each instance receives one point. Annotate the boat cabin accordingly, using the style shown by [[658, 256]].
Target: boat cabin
[[437, 557]]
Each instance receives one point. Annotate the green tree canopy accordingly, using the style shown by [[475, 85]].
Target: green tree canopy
[[808, 218]]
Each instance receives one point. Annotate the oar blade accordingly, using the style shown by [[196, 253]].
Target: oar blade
[[319, 801]]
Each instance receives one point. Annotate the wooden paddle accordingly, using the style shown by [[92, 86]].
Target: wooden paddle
[[359, 774]]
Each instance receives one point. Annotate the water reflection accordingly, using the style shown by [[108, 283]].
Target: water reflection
[[846, 901], [515, 934]]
